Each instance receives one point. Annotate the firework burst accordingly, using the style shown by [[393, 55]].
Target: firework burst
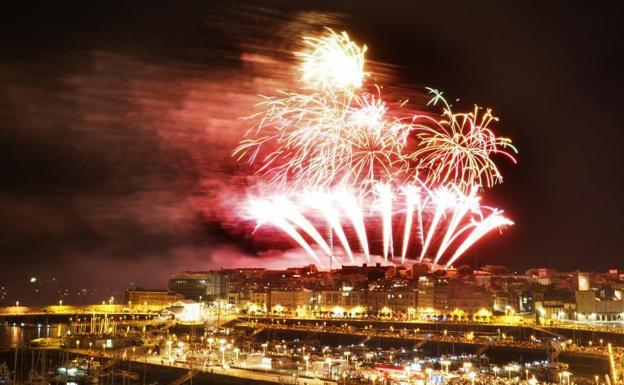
[[456, 149], [332, 62], [338, 160], [318, 140]]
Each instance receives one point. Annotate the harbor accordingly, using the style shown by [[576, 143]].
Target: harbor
[[277, 351]]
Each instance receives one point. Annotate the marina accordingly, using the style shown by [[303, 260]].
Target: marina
[[279, 352]]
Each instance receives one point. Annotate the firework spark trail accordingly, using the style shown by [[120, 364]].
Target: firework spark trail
[[264, 211], [385, 207], [414, 202], [412, 197], [419, 216], [464, 205], [293, 214], [323, 202], [353, 210], [441, 199], [493, 221]]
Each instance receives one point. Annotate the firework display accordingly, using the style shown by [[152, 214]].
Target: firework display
[[351, 179]]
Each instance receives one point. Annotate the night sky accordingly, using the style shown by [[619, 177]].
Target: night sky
[[117, 120]]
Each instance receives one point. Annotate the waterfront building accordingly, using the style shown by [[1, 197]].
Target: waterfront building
[[441, 295], [348, 299], [258, 302], [201, 285], [186, 310], [151, 297], [426, 295], [599, 305], [581, 281], [289, 301], [556, 304], [504, 302], [398, 302], [468, 298]]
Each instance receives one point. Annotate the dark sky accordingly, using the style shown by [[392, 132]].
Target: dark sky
[[117, 119]]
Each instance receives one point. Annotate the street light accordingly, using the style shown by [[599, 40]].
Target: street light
[[328, 360], [509, 369], [428, 371], [145, 364], [472, 376], [130, 360], [567, 374], [306, 359]]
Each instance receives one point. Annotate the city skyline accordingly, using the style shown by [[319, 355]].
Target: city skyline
[[210, 284]]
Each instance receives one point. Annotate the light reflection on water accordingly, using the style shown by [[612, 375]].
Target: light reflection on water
[[16, 335]]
